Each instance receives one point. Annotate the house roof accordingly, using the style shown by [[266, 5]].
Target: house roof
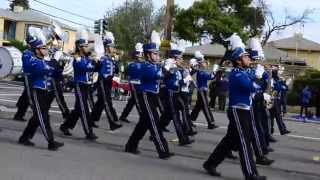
[[296, 42], [218, 51], [31, 16]]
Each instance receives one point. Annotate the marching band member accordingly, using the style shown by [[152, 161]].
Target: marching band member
[[259, 110], [183, 97], [57, 37], [42, 92], [275, 111], [83, 70], [134, 81], [150, 75], [173, 80], [239, 129], [202, 99], [107, 69]]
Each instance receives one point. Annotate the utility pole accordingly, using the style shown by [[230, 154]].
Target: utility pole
[[168, 19]]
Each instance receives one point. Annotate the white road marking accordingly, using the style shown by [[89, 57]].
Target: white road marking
[[17, 87], [10, 94], [303, 137], [7, 100], [198, 124]]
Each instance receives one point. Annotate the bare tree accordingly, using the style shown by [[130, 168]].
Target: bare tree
[[272, 25]]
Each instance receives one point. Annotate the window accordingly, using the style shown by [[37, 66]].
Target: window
[[9, 30], [66, 37]]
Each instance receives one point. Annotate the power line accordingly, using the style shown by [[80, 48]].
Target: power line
[[69, 12], [61, 18]]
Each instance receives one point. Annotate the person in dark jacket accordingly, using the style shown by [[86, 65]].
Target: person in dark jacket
[[305, 100]]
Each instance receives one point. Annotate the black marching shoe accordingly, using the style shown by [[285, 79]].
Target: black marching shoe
[[26, 142], [269, 149], [54, 146], [186, 143], [165, 130], [91, 137], [94, 125], [131, 151], [272, 139], [124, 120], [192, 133], [65, 131], [115, 126], [285, 132], [264, 161], [257, 178], [19, 118], [166, 155], [212, 126], [211, 170]]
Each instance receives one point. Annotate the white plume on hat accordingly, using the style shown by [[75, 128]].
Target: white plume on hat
[[235, 41], [37, 33], [139, 47], [155, 38], [55, 28], [98, 46], [109, 36], [82, 34], [193, 62], [198, 55], [255, 45]]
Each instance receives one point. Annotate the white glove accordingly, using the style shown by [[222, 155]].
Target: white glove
[[267, 97], [215, 68], [259, 71], [57, 55], [289, 81], [188, 78]]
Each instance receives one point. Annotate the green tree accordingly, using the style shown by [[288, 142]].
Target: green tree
[[220, 18], [22, 3], [133, 22]]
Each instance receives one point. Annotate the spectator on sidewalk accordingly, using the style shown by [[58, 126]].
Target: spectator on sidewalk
[[305, 100]]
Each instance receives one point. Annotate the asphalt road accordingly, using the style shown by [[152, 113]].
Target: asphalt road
[[105, 159]]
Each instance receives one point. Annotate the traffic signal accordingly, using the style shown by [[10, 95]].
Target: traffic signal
[[104, 25], [98, 26]]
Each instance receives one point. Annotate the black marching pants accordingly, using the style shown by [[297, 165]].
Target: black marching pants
[[149, 120], [58, 90], [275, 113], [24, 100], [202, 104], [41, 99], [128, 108], [81, 110], [172, 112], [104, 102], [237, 138], [261, 121], [183, 100]]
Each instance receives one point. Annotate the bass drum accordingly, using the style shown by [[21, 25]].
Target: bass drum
[[10, 61]]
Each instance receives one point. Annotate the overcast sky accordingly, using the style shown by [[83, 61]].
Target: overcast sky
[[95, 9]]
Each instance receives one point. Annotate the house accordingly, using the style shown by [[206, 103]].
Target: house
[[14, 25], [299, 48], [215, 52]]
